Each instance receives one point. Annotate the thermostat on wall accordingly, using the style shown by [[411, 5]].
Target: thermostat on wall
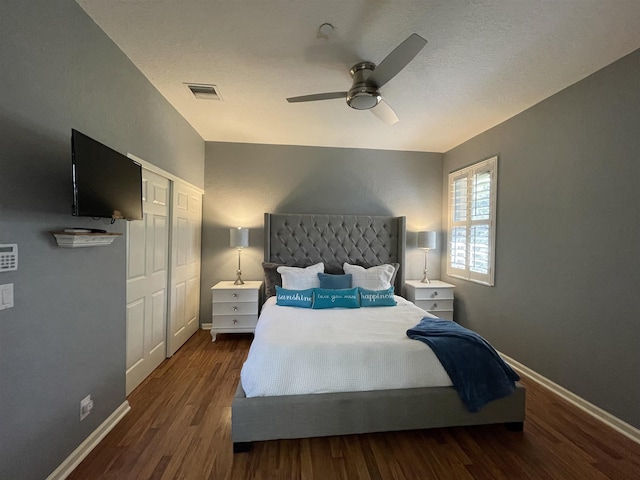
[[8, 257]]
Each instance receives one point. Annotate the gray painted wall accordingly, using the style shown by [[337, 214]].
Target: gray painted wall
[[65, 337], [566, 297], [242, 181], [565, 301]]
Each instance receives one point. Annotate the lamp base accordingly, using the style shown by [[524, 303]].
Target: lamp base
[[238, 271], [425, 279]]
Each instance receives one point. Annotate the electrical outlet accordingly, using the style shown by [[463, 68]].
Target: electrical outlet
[[86, 405]]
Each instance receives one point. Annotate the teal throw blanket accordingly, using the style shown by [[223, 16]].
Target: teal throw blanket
[[476, 370]]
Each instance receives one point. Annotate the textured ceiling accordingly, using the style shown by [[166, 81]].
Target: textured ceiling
[[485, 62]]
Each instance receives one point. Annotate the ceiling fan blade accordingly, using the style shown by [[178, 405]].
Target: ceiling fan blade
[[396, 60], [317, 96], [385, 113]]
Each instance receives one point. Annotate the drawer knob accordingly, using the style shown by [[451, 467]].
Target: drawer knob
[[234, 295], [235, 321], [235, 309], [435, 294], [435, 305]]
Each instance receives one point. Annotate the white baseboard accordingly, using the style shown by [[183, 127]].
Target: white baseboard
[[73, 460], [206, 326], [596, 412]]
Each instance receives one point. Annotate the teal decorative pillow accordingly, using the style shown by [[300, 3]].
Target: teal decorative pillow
[[294, 298], [326, 298], [377, 298], [334, 281]]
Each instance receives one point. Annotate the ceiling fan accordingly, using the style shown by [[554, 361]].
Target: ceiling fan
[[369, 78]]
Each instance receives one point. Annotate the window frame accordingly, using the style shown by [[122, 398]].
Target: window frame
[[470, 173]]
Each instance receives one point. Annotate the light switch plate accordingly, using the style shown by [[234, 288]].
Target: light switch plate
[[6, 296]]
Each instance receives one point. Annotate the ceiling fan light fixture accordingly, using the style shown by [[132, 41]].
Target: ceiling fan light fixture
[[363, 98]]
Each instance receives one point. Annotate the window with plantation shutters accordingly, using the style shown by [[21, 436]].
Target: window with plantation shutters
[[472, 222]]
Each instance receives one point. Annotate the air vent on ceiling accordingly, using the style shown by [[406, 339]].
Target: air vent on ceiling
[[204, 91]]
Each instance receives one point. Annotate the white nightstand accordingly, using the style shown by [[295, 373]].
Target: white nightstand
[[234, 308], [435, 297]]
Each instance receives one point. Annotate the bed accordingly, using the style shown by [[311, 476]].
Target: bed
[[414, 403]]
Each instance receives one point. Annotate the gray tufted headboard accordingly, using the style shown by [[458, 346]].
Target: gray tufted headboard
[[306, 239]]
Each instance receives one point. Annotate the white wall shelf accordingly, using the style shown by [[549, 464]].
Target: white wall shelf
[[83, 239]]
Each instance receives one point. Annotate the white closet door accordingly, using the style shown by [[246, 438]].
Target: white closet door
[[185, 265], [147, 280]]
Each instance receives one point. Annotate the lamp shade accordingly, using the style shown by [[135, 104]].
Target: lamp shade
[[427, 239], [239, 237]]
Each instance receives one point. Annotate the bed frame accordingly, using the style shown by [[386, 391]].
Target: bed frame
[[304, 240]]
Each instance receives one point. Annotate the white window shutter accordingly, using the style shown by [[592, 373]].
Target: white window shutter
[[472, 212]]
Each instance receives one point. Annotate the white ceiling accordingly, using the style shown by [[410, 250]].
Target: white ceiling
[[486, 61]]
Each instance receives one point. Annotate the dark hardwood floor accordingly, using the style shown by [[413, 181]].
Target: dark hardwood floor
[[179, 428]]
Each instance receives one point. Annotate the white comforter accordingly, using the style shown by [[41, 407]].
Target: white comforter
[[298, 351]]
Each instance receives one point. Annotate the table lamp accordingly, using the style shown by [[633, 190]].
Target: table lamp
[[239, 238], [426, 241]]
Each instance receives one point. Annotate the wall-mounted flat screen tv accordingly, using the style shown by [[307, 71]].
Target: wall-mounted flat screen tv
[[106, 184]]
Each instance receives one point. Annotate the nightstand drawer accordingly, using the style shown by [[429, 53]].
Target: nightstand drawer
[[434, 293], [444, 315], [235, 295], [235, 321], [434, 305], [237, 308]]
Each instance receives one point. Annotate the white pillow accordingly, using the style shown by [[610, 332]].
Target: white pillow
[[374, 278], [295, 278]]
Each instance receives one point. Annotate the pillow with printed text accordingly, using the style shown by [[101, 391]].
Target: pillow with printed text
[[345, 298], [294, 298], [377, 298]]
